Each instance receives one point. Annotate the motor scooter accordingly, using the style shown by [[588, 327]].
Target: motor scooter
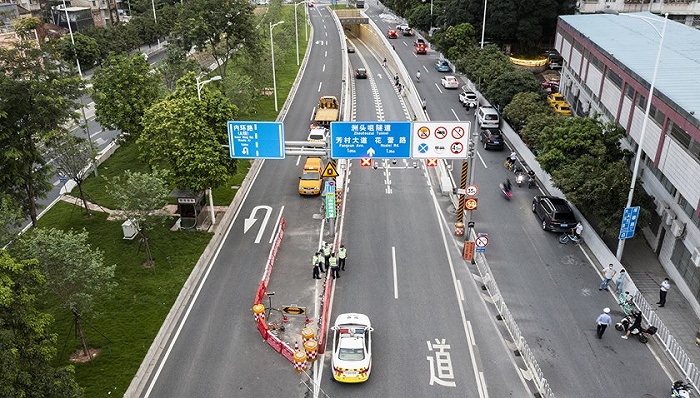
[[505, 190], [641, 333], [531, 182], [680, 389]]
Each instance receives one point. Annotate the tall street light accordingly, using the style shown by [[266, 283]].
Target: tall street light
[[296, 27], [80, 73], [199, 98], [272, 51], [638, 156], [201, 84], [483, 25]]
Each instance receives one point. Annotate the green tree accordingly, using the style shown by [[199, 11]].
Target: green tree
[[220, 28], [456, 41], [484, 65], [419, 17], [124, 88], [534, 125], [501, 90], [141, 196], [175, 66], [72, 156], [10, 219], [522, 106], [26, 345], [75, 272], [187, 136], [30, 109], [85, 47]]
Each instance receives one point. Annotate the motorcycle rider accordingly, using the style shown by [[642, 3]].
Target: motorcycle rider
[[418, 76], [506, 185], [636, 325]]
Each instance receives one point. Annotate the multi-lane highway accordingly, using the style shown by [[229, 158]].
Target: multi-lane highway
[[404, 270]]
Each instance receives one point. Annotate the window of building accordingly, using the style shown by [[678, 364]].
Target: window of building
[[641, 101], [629, 92], [596, 62], [680, 257], [614, 78]]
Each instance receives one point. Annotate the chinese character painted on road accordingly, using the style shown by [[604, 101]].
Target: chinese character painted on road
[[440, 366]]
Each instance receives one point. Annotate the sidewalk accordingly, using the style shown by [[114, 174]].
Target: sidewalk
[[646, 272]]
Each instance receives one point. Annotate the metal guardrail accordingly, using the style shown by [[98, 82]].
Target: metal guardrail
[[526, 354]]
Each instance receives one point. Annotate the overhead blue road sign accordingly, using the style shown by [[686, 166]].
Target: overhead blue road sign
[[382, 140], [256, 140], [629, 222]]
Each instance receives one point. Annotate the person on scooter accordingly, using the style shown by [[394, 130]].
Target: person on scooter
[[636, 325], [506, 185]]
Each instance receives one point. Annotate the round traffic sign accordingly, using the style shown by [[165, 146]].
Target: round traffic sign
[[440, 132], [471, 190], [458, 132], [456, 148], [423, 132], [482, 241], [470, 203]]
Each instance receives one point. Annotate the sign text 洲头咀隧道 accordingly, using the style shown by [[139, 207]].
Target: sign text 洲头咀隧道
[[256, 140], [383, 140]]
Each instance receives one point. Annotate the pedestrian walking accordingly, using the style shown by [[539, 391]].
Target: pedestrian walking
[[425, 104], [396, 80], [603, 322], [664, 287], [608, 274], [342, 255], [400, 88], [315, 261], [384, 63], [326, 255], [334, 266], [620, 281]]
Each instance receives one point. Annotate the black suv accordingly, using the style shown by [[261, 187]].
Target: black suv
[[555, 213], [492, 139]]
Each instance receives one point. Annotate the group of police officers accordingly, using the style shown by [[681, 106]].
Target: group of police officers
[[332, 262]]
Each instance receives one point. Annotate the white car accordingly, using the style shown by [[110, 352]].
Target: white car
[[402, 27], [449, 82], [317, 134], [352, 348]]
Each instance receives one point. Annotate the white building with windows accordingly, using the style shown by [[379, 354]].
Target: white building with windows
[[608, 67], [683, 11]]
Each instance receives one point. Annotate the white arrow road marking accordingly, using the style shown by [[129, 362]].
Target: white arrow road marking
[[250, 221]]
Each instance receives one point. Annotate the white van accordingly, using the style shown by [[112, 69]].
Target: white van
[[488, 118]]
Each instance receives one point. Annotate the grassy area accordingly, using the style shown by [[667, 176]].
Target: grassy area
[[131, 316]]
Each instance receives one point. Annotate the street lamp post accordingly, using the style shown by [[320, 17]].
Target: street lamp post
[[272, 52], [483, 24], [199, 98], [201, 84], [80, 73], [296, 27], [638, 156]]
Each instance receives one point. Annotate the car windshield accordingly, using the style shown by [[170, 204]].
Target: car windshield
[[310, 176], [351, 354]]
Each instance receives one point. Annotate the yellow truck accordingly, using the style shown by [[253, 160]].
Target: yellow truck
[[327, 111], [310, 181]]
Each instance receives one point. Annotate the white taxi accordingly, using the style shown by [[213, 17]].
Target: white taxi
[[352, 348], [317, 133], [449, 82]]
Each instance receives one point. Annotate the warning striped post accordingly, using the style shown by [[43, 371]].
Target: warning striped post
[[462, 187]]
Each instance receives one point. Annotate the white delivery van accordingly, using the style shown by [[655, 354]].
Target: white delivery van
[[488, 118]]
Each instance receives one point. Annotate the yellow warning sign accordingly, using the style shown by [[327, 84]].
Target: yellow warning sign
[[330, 171]]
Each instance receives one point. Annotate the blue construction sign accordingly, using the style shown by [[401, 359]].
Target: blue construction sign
[[256, 140], [376, 139], [629, 222]]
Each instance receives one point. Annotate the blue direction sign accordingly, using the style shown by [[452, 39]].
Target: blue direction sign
[[256, 140], [383, 140], [629, 222]]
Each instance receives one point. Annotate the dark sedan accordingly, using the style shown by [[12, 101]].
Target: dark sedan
[[360, 73], [492, 139], [555, 213]]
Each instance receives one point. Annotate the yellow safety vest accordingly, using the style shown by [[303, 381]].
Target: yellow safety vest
[[342, 253], [314, 260], [327, 251], [332, 262]]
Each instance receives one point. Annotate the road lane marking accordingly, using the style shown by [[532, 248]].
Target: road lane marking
[[320, 84], [277, 223], [396, 281], [455, 113], [460, 292]]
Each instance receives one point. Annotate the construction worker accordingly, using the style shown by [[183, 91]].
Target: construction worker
[[334, 266], [326, 255], [315, 262], [342, 255]]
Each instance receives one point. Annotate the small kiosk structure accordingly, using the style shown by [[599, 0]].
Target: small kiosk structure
[[190, 208]]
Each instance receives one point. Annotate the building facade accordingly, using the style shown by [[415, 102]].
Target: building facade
[[683, 11], [608, 69]]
